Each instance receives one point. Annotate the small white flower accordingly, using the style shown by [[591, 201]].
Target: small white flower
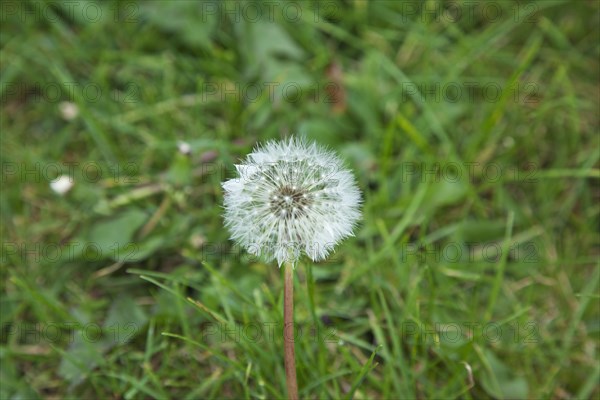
[[68, 110], [291, 197], [62, 184], [184, 147]]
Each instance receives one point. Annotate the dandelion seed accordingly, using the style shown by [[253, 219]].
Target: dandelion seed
[[288, 215]]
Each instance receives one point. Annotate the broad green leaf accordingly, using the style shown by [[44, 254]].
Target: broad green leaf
[[125, 320], [500, 381], [114, 236], [193, 22]]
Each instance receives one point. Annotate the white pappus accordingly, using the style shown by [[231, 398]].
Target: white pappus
[[290, 197]]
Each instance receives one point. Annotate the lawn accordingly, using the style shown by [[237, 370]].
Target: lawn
[[471, 128]]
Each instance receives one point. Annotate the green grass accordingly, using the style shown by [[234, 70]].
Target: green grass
[[483, 285]]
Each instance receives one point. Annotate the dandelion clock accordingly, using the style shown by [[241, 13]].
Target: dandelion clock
[[291, 198]]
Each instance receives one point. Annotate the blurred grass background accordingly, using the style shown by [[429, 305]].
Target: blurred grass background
[[472, 130]]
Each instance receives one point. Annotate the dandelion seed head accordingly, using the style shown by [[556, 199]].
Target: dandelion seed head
[[304, 202]]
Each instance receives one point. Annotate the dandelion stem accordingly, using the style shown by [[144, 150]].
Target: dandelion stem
[[288, 332]]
